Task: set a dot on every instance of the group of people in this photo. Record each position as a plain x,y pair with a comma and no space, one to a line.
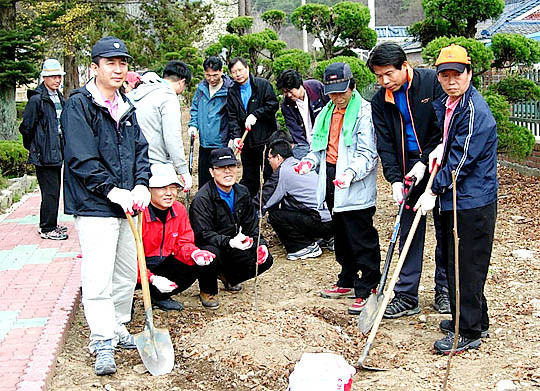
123,153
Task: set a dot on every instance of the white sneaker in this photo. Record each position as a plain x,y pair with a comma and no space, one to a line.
311,251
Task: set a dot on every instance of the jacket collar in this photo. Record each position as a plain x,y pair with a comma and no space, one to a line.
151,216
389,95
124,105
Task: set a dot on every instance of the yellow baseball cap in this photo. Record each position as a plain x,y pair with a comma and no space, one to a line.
453,57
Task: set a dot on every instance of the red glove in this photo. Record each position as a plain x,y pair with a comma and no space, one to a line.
303,167
262,254
238,144
202,257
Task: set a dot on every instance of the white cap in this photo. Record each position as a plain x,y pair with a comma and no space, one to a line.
163,175
52,67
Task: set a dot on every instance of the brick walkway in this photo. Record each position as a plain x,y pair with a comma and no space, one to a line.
39,290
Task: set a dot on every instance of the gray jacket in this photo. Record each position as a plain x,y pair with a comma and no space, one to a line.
361,158
160,119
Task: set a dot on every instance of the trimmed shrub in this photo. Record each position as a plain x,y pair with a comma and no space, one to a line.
20,109
516,89
292,59
517,141
13,158
362,74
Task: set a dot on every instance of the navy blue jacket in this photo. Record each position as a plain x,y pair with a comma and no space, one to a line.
293,118
471,150
39,128
99,156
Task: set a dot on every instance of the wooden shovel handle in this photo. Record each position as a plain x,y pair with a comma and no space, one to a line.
137,234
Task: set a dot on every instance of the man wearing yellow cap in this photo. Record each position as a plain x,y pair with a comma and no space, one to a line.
469,148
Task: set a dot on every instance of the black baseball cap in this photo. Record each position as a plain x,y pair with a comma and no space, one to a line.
110,47
222,157
337,77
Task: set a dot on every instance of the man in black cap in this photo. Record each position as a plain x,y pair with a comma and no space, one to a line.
106,175
344,149
225,223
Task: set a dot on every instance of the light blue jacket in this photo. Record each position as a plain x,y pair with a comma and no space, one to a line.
361,158
209,114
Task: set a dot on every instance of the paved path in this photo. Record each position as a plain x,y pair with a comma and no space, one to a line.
39,291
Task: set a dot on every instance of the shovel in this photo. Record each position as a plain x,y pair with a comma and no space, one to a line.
154,344
395,276
190,164
368,314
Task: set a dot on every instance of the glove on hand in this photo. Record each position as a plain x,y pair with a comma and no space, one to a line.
238,144
435,157
202,257
192,131
122,197
141,197
164,285
188,181
262,254
397,192
343,180
417,172
250,121
303,167
426,202
241,241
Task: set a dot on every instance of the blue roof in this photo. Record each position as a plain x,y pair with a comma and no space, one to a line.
392,31
506,23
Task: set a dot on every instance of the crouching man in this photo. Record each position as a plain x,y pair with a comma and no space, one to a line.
173,260
225,223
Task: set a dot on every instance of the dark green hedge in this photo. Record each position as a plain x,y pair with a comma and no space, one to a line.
13,158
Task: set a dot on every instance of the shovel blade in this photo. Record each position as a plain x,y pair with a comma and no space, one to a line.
155,348
369,313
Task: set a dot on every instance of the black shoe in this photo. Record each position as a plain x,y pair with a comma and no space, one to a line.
228,287
447,327
442,302
326,243
444,345
401,306
168,305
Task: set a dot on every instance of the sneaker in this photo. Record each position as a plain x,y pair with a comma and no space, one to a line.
168,305
447,327
442,302
357,306
62,228
326,243
444,345
209,301
105,364
55,234
127,342
311,251
337,292
401,306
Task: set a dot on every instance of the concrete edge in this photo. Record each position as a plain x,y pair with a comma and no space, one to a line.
18,188
520,168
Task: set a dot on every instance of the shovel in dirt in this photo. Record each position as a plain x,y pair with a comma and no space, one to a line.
154,344
368,314
388,294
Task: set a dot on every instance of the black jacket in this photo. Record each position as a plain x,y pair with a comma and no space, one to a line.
212,221
293,118
39,128
100,156
422,91
263,104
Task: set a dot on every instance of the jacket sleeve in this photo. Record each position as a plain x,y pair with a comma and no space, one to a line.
200,213
142,163
269,186
385,144
279,192
269,107
29,122
434,137
171,123
233,112
249,222
185,241
194,111
365,156
296,130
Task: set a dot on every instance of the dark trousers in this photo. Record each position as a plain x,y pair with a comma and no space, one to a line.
476,228
235,265
49,180
184,276
204,165
252,160
299,229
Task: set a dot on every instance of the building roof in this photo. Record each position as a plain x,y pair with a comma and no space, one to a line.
521,17
392,32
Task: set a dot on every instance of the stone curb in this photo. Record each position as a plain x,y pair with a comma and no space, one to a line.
17,188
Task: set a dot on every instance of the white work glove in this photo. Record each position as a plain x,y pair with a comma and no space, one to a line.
435,157
397,192
262,254
202,257
188,181
426,202
241,241
250,121
343,180
238,144
192,131
122,197
141,197
303,167
417,171
163,284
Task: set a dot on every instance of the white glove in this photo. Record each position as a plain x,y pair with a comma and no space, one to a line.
241,241
435,157
202,257
426,202
141,197
122,197
238,144
343,180
397,192
188,181
303,167
262,254
250,121
192,131
417,171
164,285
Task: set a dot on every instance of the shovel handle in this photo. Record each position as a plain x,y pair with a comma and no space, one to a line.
137,234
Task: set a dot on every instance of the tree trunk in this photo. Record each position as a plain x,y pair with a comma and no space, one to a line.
8,111
241,7
248,8
71,80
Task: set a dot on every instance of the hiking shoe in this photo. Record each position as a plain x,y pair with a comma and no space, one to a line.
168,305
401,306
127,342
209,301
447,327
326,243
442,302
444,345
61,228
337,292
105,364
55,234
311,251
357,306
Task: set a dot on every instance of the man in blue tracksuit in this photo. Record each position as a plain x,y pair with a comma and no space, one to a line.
209,114
469,149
